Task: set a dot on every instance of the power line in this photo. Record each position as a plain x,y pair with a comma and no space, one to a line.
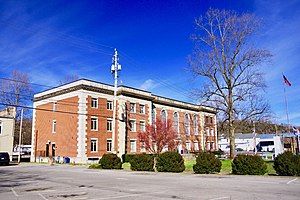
90,115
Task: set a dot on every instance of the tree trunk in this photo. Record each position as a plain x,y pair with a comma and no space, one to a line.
154,165
231,140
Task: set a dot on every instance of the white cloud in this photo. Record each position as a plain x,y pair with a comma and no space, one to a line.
148,85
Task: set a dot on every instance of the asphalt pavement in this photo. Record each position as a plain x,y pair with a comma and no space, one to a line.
43,182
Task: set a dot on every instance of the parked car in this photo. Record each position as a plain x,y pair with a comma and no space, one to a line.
4,158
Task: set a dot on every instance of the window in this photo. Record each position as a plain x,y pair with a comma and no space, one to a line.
54,106
206,119
211,120
142,109
0,127
108,145
188,146
176,122
109,125
132,107
133,146
94,123
142,126
143,147
163,116
94,103
195,123
196,146
94,145
47,150
54,126
109,105
212,133
153,116
187,124
207,132
132,125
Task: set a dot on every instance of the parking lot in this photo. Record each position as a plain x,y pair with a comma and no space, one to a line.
33,181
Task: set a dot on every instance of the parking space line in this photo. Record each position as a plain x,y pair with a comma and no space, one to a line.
291,181
42,196
13,191
218,198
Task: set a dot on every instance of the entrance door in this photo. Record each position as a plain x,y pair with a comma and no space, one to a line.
180,149
53,150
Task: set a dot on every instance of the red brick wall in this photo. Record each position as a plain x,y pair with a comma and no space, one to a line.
138,117
65,137
102,134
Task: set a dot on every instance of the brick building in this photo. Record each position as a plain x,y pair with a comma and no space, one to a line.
76,120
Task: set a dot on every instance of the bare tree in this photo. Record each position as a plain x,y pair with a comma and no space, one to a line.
230,64
16,91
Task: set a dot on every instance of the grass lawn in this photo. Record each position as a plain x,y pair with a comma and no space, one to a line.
270,169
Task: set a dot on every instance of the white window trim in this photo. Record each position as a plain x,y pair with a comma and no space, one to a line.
96,102
96,145
164,110
186,146
94,117
189,124
134,108
133,140
144,110
134,125
109,119
109,102
54,127
196,142
110,145
196,128
143,121
177,121
54,106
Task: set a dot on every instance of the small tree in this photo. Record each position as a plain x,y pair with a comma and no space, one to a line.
158,136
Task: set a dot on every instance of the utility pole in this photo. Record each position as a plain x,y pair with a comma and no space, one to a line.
20,136
115,67
254,138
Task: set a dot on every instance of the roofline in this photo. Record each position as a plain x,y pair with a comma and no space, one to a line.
59,90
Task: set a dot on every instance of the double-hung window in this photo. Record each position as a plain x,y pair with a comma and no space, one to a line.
94,145
142,109
53,126
109,105
108,145
132,125
142,126
132,107
132,146
109,125
94,103
94,123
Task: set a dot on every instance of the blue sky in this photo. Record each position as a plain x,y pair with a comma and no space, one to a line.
52,39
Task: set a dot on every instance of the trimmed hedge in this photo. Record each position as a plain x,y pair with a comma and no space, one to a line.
287,164
249,165
170,161
207,163
127,157
110,161
142,162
